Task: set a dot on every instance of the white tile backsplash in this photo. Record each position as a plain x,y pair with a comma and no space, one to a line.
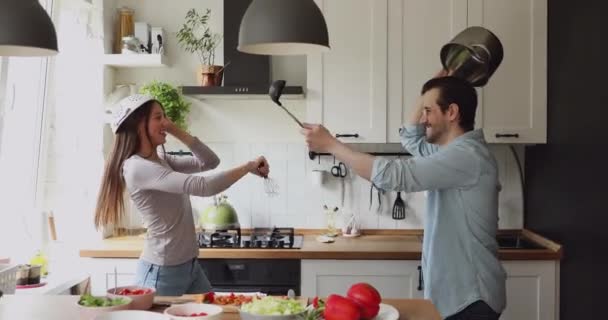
300,203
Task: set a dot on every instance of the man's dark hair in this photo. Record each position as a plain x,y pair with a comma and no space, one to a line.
458,91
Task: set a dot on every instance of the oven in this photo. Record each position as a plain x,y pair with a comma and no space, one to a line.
269,276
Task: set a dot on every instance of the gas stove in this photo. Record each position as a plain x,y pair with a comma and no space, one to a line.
260,238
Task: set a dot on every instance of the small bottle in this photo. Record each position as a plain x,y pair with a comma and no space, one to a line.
40,259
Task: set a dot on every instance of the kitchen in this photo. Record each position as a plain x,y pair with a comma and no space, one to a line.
239,128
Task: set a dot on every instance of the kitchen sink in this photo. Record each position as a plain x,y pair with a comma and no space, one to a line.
516,241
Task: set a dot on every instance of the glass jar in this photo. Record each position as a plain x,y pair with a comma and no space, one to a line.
124,28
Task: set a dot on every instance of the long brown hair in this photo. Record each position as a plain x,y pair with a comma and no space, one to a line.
110,200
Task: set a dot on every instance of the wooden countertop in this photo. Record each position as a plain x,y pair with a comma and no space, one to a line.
406,245
60,307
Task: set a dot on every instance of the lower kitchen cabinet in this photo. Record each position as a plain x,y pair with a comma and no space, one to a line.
532,286
103,276
392,278
532,290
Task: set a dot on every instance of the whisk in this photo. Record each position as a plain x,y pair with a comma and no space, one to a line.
270,186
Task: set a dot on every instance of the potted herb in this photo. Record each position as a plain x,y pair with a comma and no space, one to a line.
195,36
176,108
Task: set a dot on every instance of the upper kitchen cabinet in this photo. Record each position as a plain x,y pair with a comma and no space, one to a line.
383,51
513,106
347,85
417,30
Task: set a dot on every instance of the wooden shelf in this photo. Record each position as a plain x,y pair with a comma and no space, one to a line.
135,60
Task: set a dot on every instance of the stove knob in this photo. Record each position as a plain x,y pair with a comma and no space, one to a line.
258,243
246,243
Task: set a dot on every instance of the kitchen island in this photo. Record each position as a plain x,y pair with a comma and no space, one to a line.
63,307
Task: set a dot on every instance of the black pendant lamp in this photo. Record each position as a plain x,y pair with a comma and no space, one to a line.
26,30
283,27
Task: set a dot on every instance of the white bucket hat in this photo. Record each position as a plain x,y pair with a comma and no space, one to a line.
125,107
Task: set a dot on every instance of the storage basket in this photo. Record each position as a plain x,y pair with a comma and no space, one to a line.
8,278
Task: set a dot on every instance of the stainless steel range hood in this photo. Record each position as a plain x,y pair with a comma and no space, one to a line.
247,74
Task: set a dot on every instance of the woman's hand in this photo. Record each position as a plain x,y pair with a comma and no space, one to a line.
170,127
178,133
259,167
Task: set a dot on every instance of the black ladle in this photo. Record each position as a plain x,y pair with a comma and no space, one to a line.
276,89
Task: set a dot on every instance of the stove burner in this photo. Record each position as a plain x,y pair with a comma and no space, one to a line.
260,238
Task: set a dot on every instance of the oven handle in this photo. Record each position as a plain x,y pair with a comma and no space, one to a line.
237,289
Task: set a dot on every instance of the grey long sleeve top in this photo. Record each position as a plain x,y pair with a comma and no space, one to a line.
161,192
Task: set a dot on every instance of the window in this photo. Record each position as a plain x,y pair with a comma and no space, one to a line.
23,85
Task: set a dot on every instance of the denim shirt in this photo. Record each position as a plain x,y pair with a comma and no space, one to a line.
459,253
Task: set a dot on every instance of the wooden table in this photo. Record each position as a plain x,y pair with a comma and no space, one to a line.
50,307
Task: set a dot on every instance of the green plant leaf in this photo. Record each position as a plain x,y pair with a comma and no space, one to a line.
176,108
204,45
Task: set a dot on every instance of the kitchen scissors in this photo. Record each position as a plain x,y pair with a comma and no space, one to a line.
339,170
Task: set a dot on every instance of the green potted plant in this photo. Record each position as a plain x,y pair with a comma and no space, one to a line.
176,108
195,36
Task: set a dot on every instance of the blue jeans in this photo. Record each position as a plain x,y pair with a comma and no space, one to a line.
478,310
176,280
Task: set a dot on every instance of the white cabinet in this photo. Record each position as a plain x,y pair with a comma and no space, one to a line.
347,85
417,31
103,276
532,286
383,51
532,290
514,103
392,278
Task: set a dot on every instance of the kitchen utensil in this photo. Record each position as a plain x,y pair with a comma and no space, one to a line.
51,222
219,216
371,193
399,208
474,55
270,186
317,177
276,89
115,279
339,171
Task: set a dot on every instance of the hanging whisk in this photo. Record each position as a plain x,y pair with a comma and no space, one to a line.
270,186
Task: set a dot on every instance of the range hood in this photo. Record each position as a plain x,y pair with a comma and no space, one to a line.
247,74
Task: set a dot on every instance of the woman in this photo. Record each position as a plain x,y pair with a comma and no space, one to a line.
160,186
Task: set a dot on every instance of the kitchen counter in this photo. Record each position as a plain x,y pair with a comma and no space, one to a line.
37,307
373,245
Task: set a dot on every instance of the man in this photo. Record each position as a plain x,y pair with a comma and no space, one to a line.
462,273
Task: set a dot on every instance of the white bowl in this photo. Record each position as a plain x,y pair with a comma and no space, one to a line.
180,311
251,316
140,301
132,315
90,312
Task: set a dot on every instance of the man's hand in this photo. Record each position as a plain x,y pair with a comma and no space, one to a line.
318,138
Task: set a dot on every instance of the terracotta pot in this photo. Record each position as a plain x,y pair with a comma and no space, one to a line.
209,76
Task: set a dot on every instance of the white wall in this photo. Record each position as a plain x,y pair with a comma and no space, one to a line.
239,130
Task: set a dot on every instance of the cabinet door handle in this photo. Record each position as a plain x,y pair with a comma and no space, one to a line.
507,135
420,279
347,135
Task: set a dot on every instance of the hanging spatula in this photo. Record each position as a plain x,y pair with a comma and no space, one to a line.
399,208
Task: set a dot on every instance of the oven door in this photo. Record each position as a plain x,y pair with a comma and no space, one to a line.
269,276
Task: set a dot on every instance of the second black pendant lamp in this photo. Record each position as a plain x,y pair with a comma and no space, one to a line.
283,27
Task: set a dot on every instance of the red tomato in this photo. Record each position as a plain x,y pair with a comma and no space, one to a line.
340,308
367,298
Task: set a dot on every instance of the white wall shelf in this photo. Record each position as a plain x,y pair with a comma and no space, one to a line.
135,60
